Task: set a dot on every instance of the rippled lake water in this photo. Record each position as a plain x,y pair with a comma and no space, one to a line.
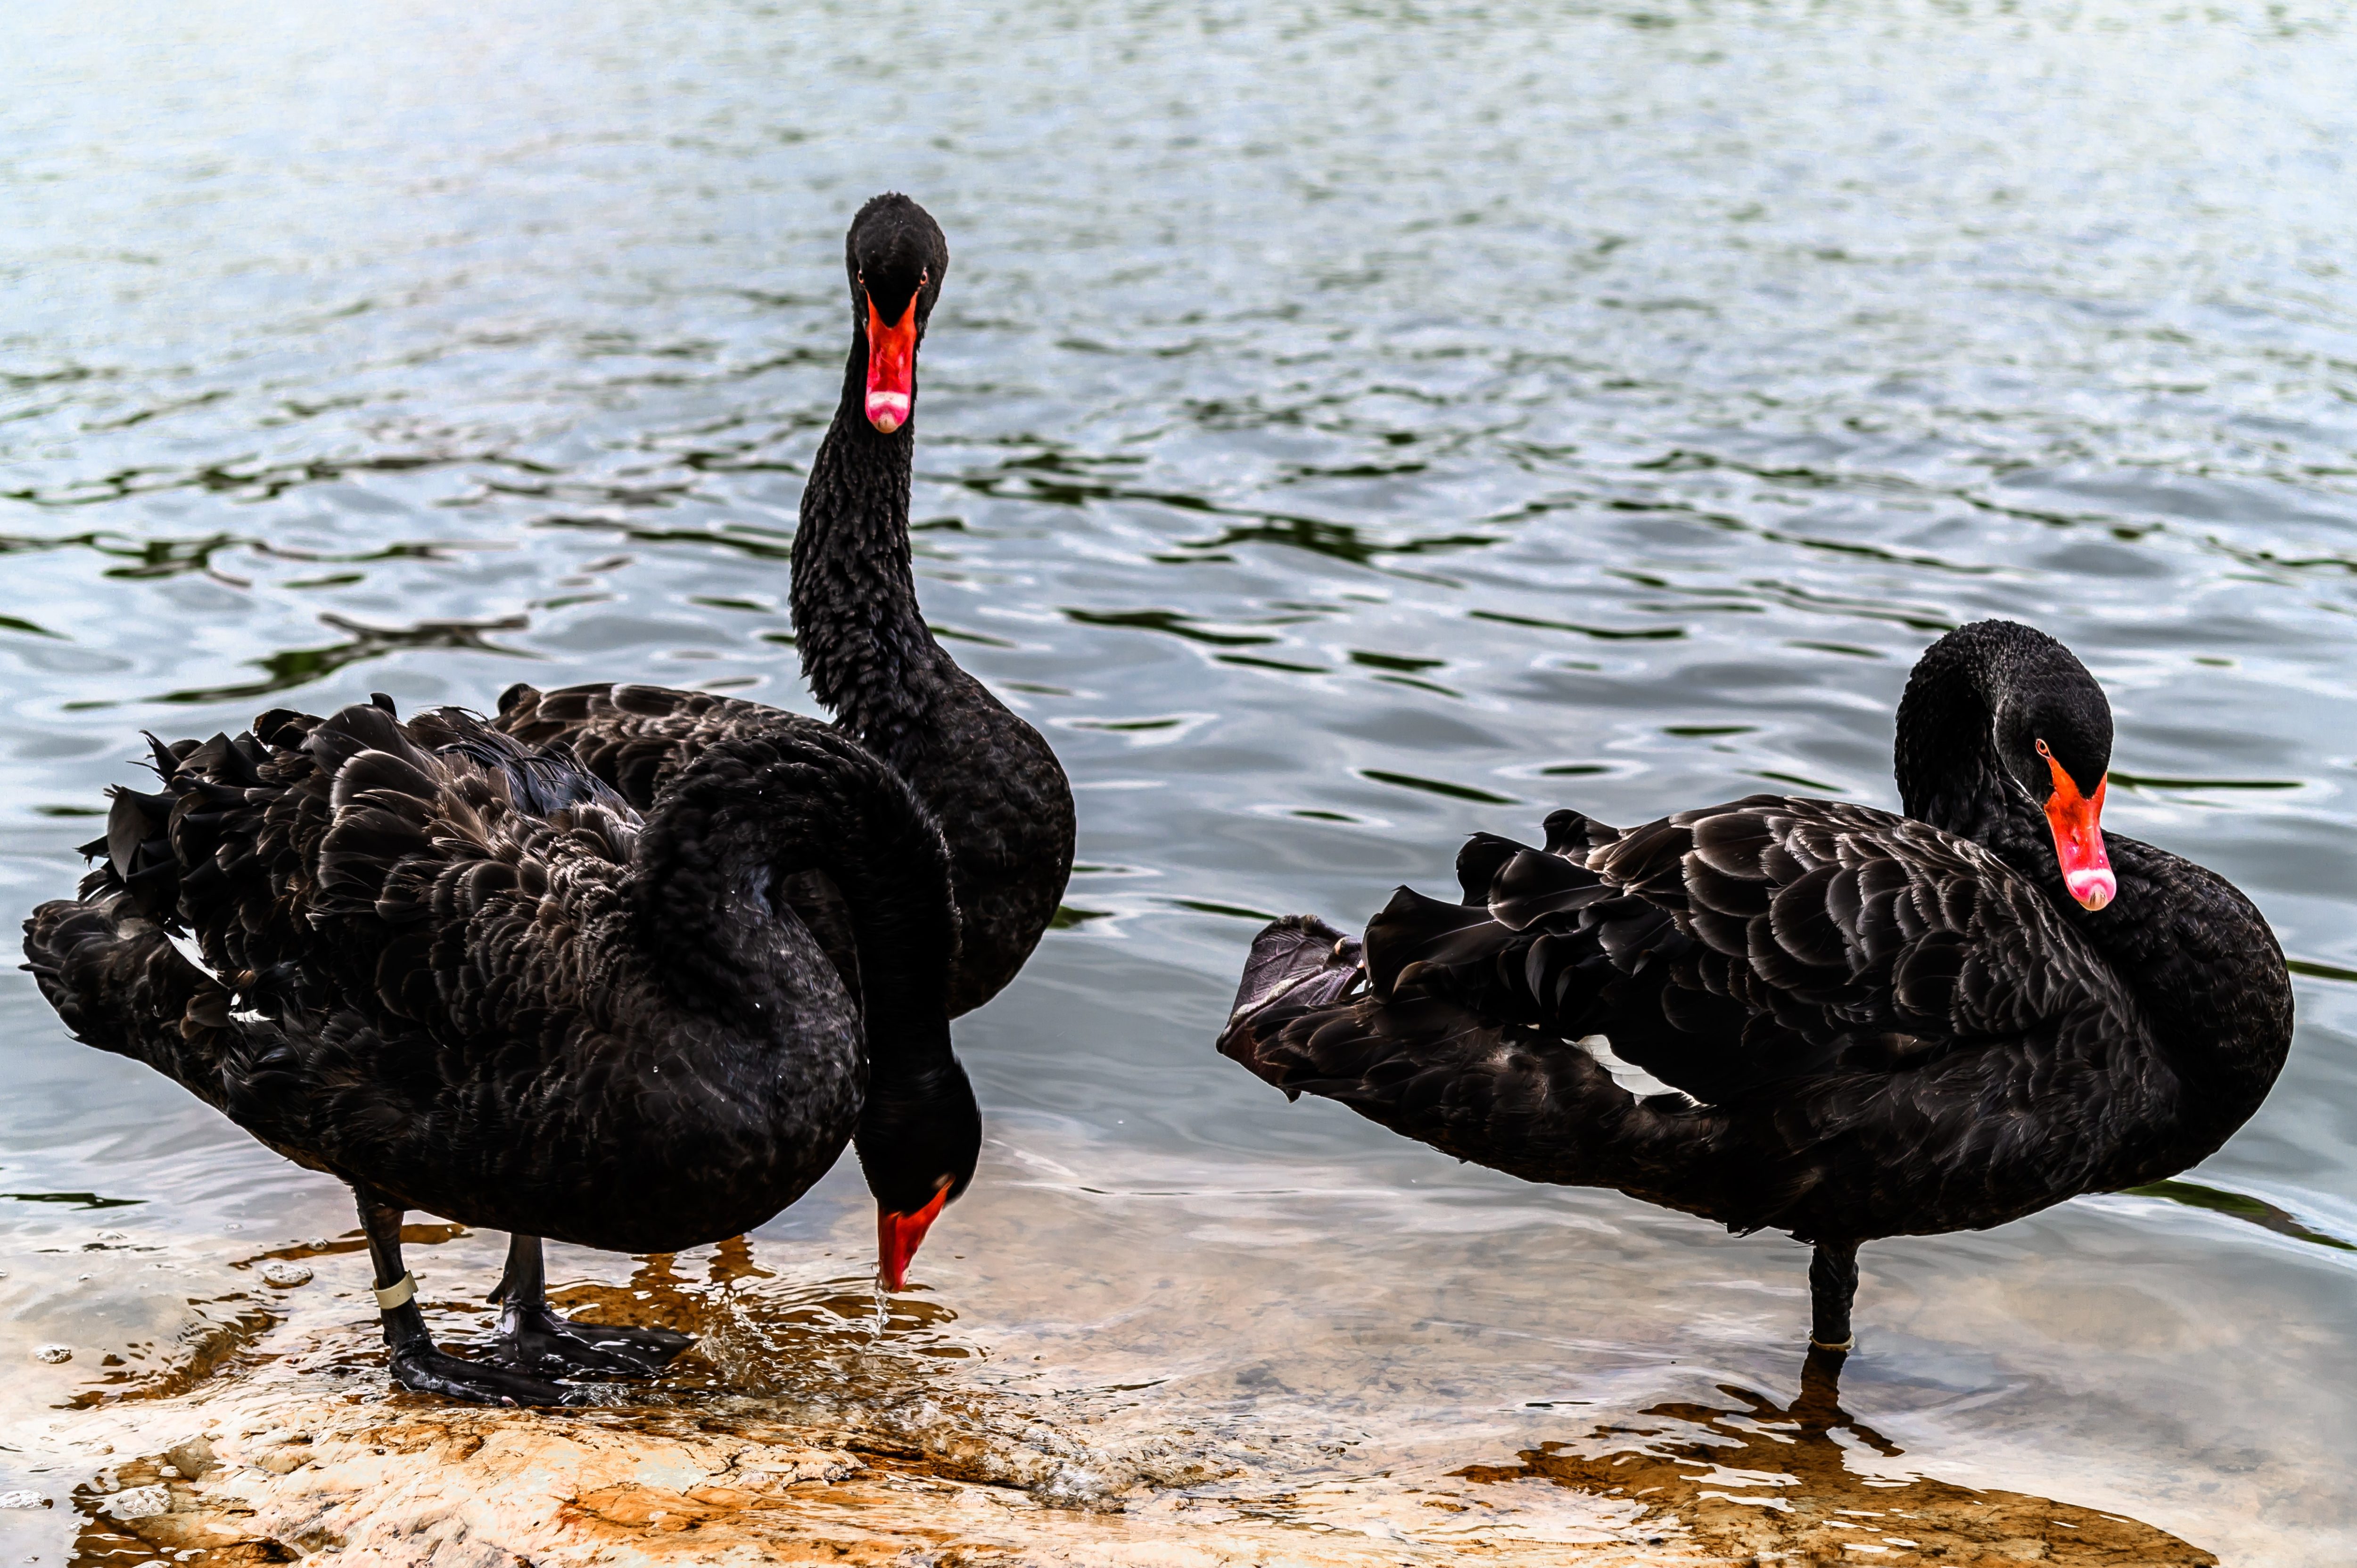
1345,427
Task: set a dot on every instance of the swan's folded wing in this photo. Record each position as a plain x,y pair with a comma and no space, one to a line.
636,738
429,874
1434,1071
1512,1097
1736,946
1775,937
542,778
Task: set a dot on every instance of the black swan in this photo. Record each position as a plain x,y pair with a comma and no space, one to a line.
1875,1025
462,975
989,779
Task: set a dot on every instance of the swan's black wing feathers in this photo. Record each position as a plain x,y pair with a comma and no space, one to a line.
993,779
461,971
436,874
1870,939
636,738
1735,952
1507,1095
1734,946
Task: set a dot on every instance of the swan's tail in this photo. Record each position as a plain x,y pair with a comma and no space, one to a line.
165,955
1457,1024
118,982
1298,964
106,959
1506,1095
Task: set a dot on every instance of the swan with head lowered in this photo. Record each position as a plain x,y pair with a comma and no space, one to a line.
463,976
1872,1025
988,779
466,968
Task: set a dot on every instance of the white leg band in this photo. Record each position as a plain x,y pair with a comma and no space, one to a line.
1848,1344
398,1294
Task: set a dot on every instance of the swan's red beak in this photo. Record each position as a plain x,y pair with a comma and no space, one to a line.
898,1237
891,371
2077,822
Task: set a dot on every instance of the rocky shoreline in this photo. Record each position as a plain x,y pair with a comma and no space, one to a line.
232,1407
268,1464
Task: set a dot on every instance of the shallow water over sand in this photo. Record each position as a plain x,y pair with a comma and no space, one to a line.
1343,430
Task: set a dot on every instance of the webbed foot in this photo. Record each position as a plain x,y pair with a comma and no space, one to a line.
536,1338
421,1369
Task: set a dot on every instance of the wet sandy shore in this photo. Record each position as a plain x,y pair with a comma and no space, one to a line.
392,1482
259,1429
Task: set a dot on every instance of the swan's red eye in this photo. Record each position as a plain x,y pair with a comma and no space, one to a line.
2077,822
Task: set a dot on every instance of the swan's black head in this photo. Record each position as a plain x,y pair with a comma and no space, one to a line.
896,258
1999,708
918,1142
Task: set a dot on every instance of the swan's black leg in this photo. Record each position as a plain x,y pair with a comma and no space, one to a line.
417,1364
1832,1285
531,1335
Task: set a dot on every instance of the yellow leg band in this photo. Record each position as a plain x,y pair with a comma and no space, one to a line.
398,1294
1848,1344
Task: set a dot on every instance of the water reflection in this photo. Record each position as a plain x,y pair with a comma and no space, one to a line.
290,667
1761,1482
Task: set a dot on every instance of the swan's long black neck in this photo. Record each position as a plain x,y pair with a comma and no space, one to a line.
989,778
714,863
864,644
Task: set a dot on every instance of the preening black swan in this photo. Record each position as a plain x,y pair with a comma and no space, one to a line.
463,976
1876,1024
988,778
